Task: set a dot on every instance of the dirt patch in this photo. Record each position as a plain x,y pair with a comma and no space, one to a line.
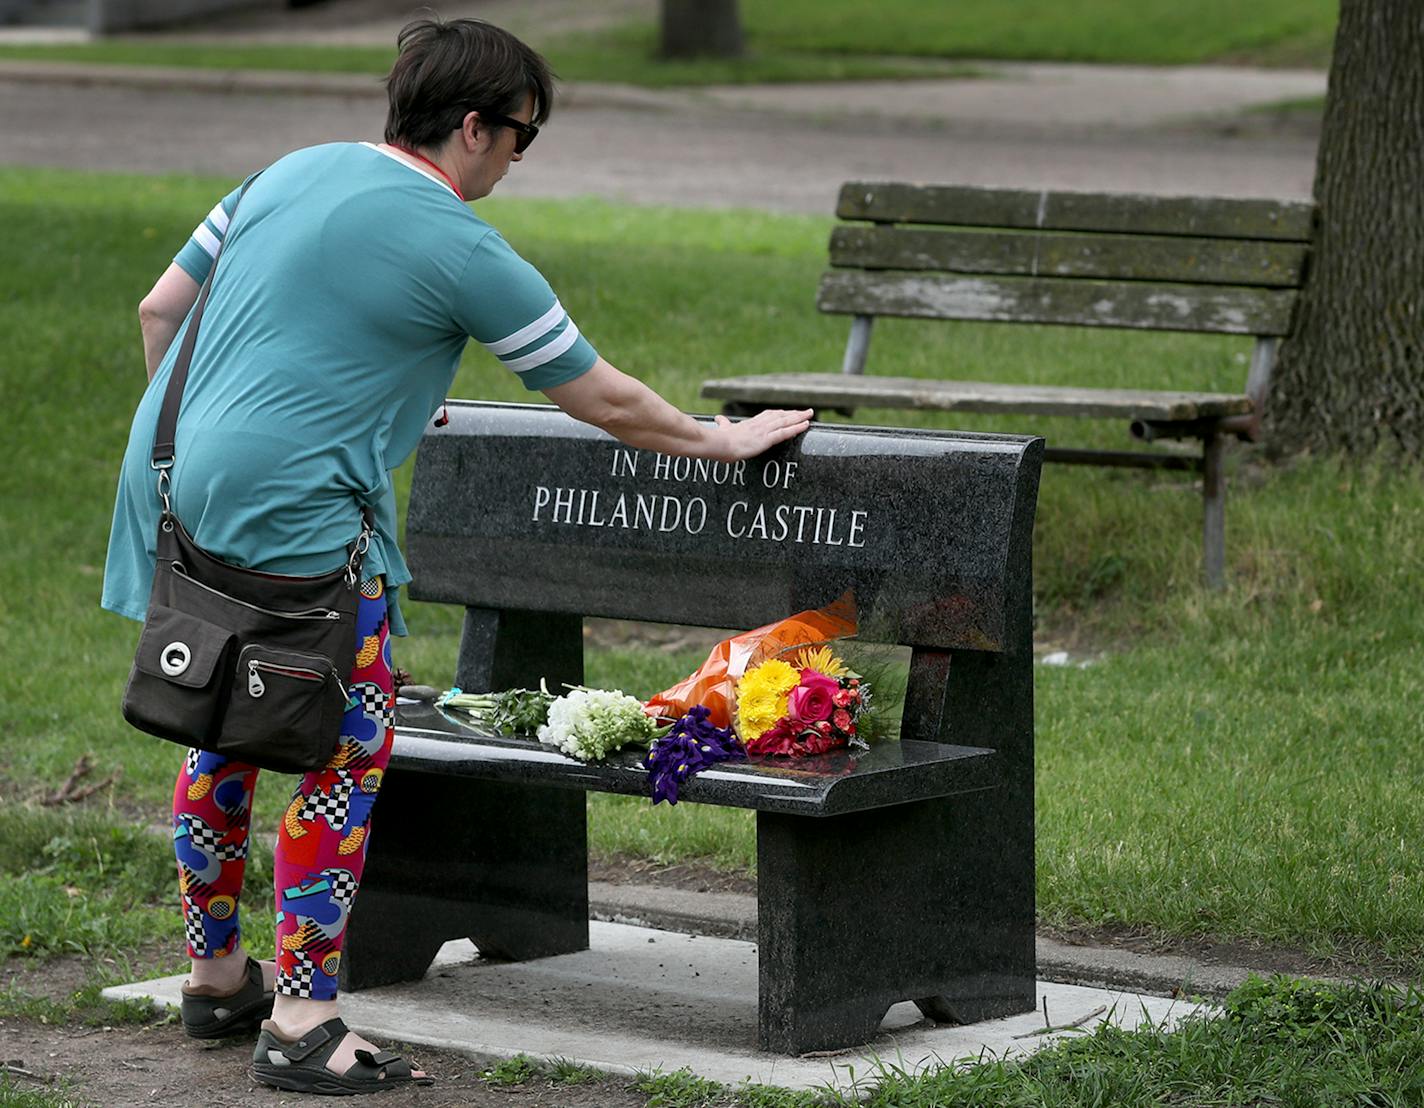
114,1067
1261,958
155,1062
615,634
688,876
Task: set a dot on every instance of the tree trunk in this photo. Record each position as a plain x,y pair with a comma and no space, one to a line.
1352,376
700,27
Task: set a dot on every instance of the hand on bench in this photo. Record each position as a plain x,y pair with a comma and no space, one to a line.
634,414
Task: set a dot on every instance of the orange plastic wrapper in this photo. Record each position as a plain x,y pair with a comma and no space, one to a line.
714,683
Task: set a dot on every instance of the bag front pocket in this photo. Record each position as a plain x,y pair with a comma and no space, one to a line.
178,686
285,710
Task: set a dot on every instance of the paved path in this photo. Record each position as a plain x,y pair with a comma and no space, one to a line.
786,147
690,152
1044,97
643,999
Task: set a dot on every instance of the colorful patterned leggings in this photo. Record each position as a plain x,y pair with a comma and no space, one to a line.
321,847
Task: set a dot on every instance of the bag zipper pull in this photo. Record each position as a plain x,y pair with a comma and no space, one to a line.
255,687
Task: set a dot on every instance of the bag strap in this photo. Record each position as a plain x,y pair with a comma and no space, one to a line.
162,458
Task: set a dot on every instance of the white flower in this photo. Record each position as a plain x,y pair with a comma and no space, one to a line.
589,724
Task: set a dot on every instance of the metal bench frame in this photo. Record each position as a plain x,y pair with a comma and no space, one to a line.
1085,259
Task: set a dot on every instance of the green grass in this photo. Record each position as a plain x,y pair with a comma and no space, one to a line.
512,1071
622,55
1304,106
629,54
1274,1042
85,1006
1277,1042
1114,31
522,1069
835,40
74,883
372,60
17,1094
1238,765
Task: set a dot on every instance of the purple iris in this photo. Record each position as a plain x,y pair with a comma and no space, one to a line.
690,746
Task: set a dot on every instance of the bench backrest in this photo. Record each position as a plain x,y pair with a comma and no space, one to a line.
533,520
1089,259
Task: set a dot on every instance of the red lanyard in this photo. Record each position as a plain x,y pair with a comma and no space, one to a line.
432,165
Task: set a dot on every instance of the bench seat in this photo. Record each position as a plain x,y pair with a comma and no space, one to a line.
429,740
841,390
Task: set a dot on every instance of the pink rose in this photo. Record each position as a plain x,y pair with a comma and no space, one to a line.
813,699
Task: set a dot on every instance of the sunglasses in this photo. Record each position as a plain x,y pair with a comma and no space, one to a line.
526,133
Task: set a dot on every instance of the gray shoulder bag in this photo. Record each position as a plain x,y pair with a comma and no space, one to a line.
244,664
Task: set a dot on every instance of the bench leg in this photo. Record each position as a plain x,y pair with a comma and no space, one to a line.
505,866
917,902
1214,511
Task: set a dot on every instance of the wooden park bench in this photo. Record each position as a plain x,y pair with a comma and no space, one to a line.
902,873
1085,259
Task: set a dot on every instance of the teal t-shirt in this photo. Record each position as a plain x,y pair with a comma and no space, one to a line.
350,283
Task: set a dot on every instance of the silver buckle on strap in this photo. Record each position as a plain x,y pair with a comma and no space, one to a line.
164,484
358,554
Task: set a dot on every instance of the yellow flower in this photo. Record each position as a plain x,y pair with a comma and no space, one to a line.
762,694
821,660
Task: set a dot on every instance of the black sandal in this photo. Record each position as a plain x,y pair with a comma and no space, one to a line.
206,1016
301,1066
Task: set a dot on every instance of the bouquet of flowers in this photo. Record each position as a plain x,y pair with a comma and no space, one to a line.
781,686
511,712
714,685
776,690
808,705
691,745
590,724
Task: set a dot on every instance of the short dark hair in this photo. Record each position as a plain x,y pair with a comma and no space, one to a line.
446,69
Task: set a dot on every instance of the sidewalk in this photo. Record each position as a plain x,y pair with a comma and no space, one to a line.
1015,97
641,999
1195,130
670,980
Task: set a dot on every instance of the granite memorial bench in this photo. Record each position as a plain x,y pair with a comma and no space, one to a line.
1203,264
901,873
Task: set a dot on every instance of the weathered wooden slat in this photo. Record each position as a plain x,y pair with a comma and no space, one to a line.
1121,257
838,390
1193,216
1122,459
1131,304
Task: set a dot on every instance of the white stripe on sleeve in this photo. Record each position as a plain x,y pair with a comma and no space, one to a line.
219,218
206,239
545,353
525,335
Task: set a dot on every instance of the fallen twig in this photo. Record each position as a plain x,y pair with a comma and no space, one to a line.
8,1067
81,769
1098,1011
68,794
